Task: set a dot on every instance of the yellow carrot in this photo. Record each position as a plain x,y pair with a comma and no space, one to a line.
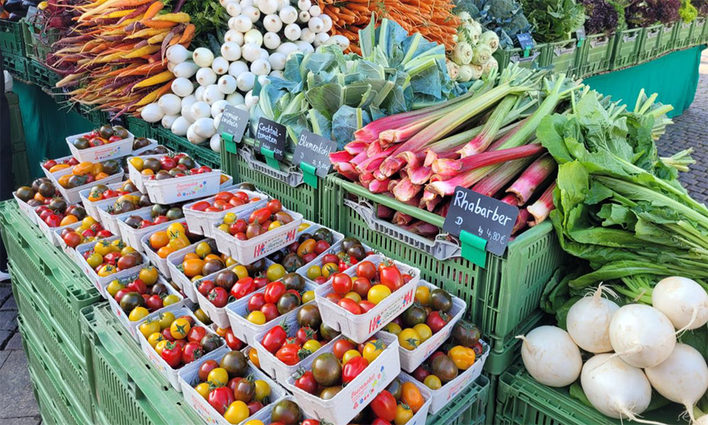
155,79
180,17
154,95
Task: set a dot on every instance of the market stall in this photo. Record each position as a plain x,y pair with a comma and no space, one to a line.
299,213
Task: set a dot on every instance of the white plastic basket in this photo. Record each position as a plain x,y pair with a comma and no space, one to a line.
411,359
52,233
59,161
271,364
203,222
248,251
161,365
26,209
71,252
156,260
135,176
105,152
92,207
190,375
133,236
123,317
442,396
360,327
333,249
72,196
99,282
110,221
353,398
152,145
180,189
178,277
246,331
420,417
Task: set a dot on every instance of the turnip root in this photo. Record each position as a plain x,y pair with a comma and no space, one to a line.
683,301
589,322
641,335
615,388
551,356
682,378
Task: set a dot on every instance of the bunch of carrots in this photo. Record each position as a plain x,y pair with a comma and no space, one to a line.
433,19
116,53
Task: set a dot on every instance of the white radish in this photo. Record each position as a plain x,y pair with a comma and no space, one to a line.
152,112
246,3
215,143
262,54
307,36
292,32
233,9
287,48
187,103
177,54
682,378
339,40
168,120
218,107
683,301
186,69
234,36
304,47
272,23
182,87
271,40
204,127
321,38
641,335
170,104
227,84
262,80
199,93
315,11
268,6
202,57
327,22
243,23
250,100
171,66
589,322
276,74
251,13
217,120
277,61
245,81
615,388
250,51
200,110
303,17
253,37
237,68
231,51
304,4
315,25
193,137
235,99
206,76
260,67
288,15
551,356
220,66
180,126
212,93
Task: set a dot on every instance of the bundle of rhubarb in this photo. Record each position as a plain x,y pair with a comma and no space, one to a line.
483,140
116,53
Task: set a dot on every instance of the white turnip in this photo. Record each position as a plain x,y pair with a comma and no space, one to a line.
292,32
206,76
237,68
589,322
227,84
231,51
213,93
177,54
245,81
234,36
180,126
168,120
683,301
641,335
182,87
251,13
215,143
218,107
204,127
170,104
233,9
193,137
260,67
272,23
203,57
288,15
152,112
187,103
185,69
200,110
220,65
682,378
199,93
242,23
277,61
615,388
551,356
271,40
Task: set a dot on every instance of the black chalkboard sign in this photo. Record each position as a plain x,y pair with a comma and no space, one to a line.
271,136
525,41
482,216
234,122
314,149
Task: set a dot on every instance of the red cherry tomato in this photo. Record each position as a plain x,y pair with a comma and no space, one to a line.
201,206
350,305
270,311
342,284
273,292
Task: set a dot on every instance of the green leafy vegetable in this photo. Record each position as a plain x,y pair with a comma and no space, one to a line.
554,20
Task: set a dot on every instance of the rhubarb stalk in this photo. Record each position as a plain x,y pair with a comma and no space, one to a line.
405,190
482,141
494,182
543,206
446,168
527,183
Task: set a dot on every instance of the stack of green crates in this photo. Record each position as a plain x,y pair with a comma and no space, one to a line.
141,128
38,40
531,59
563,57
13,49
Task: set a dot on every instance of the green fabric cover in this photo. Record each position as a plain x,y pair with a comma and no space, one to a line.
46,125
674,77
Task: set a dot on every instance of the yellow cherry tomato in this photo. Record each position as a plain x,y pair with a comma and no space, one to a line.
422,295
432,382
229,218
137,314
253,357
114,287
312,345
350,354
202,249
102,247
136,162
170,299
202,316
218,377
161,346
175,229
393,328
409,339
403,414
149,327
203,390
463,357
180,328
373,349
106,270
94,260
256,317
237,412
241,271
314,272
127,250
254,422
353,296
147,274
424,331
223,227
308,296
274,225
166,319
329,269
275,272
302,226
87,222
153,339
262,389
377,293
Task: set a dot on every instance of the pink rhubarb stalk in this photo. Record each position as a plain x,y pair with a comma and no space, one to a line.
482,141
384,213
419,175
543,206
401,219
356,147
527,183
448,168
521,219
378,186
405,190
494,182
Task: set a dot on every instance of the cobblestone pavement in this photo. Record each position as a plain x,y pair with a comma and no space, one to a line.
690,130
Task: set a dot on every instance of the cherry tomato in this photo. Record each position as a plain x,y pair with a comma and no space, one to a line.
307,382
196,334
274,206
218,296
232,342
172,354
207,367
201,206
342,346
191,352
243,287
274,291
384,406
361,286
220,399
366,269
350,305
256,302
288,354
274,339
390,275
270,310
353,368
342,283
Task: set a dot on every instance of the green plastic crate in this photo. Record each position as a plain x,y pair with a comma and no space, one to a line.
56,280
16,65
506,349
201,153
499,297
20,165
11,38
70,362
301,198
38,40
467,408
563,57
699,25
46,375
704,31
667,38
522,400
596,54
533,60
47,409
684,34
42,76
92,114
627,48
127,389
141,128
651,43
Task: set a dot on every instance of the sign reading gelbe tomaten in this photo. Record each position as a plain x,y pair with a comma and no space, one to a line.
482,216
271,136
